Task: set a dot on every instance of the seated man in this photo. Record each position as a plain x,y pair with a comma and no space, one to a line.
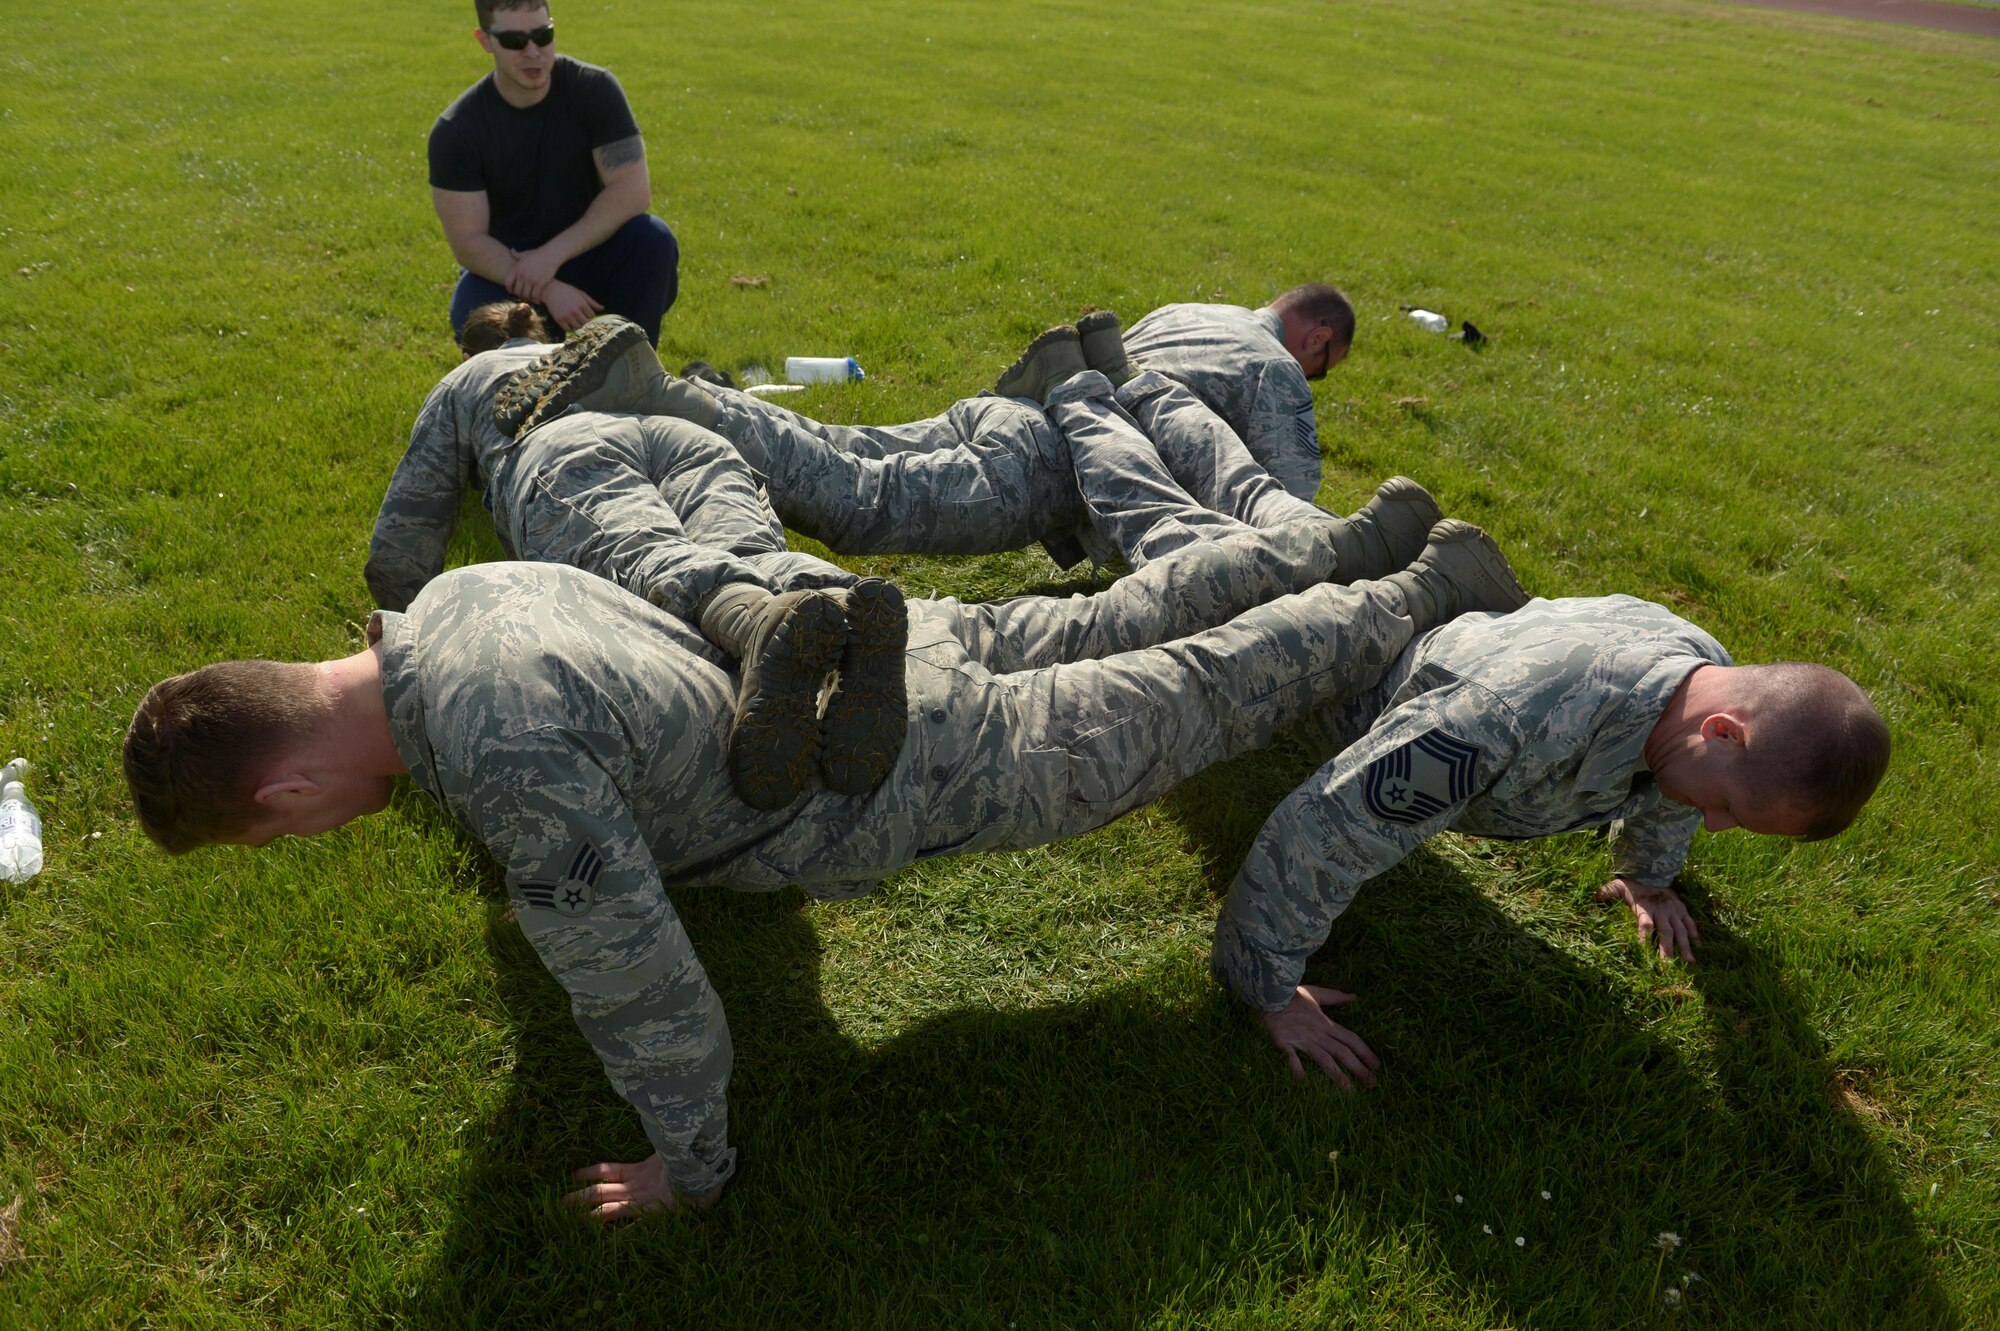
1563,715
578,731
539,178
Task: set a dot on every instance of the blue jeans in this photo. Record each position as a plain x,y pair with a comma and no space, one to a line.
636,273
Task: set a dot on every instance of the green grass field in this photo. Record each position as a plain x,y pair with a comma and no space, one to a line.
1740,275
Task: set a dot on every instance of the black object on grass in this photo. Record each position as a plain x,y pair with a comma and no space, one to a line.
701,369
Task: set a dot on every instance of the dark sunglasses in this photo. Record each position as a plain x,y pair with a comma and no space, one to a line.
518,41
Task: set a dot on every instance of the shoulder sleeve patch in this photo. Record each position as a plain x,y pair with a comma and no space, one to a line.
577,892
1420,779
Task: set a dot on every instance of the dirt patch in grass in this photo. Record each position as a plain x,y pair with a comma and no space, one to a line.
1911,13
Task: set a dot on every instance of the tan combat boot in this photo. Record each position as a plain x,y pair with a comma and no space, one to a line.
1104,346
1388,532
861,734
1049,360
787,646
606,365
1460,570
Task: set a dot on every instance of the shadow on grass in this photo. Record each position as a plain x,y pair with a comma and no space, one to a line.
1142,1156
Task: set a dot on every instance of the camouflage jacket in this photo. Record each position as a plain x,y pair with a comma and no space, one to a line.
582,735
1235,360
452,447
1513,726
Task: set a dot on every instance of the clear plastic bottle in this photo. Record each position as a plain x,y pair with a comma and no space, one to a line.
20,826
1430,320
822,369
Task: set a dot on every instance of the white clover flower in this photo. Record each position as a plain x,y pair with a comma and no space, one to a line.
1520,1241
1667,1241
1671,1297
1458,1197
1487,1228
1546,1194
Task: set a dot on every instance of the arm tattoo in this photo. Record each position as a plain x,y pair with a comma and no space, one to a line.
620,152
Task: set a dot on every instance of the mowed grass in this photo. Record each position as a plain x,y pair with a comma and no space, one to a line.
1739,274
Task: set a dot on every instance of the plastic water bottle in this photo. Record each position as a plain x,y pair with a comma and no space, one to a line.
20,827
822,369
1430,321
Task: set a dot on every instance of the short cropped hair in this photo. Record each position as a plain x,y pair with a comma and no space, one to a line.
486,9
200,742
1317,303
1823,747
502,321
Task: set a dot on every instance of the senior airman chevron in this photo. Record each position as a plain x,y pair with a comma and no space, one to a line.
578,889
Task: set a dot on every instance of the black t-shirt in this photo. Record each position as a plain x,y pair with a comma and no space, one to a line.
533,162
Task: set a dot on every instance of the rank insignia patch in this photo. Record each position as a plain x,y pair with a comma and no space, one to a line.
1419,780
577,892
1306,432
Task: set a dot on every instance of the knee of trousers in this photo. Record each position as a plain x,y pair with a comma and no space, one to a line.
653,237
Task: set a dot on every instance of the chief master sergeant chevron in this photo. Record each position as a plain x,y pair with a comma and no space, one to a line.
1562,715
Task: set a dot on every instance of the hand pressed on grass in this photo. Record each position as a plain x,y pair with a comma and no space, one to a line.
1302,1027
621,1191
1661,914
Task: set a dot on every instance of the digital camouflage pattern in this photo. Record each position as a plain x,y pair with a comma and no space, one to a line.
1158,470
1514,726
990,474
658,505
581,734
1234,359
450,445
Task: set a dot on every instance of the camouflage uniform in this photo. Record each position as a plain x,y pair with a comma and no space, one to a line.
658,505
581,734
994,473
1158,470
454,436
1513,726
1235,360
991,474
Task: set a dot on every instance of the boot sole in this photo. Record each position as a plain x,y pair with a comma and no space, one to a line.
540,392
868,715
774,748
1400,493
1498,590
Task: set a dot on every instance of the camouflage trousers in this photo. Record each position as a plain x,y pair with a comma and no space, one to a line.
1144,471
1212,665
991,474
659,506
1158,470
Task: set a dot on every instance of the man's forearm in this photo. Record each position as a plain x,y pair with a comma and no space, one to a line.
615,205
483,255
